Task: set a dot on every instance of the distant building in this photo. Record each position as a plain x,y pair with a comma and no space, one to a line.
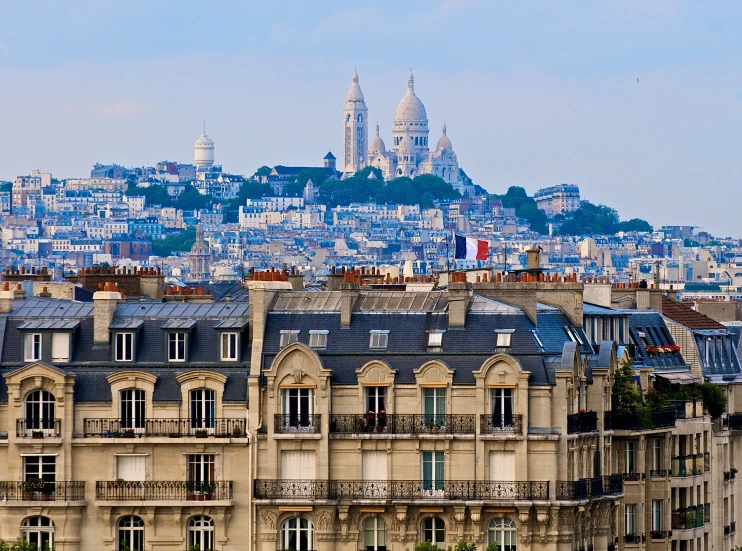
200,257
132,249
204,151
559,199
29,186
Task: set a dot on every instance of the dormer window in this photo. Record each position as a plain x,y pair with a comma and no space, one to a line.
503,337
435,339
318,339
379,339
538,340
33,347
124,347
229,351
288,336
176,346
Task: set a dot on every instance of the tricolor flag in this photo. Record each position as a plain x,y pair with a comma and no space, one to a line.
470,248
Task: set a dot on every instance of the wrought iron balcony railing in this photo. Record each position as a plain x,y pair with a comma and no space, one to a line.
689,465
293,424
658,473
501,424
42,490
589,488
658,534
174,428
410,490
578,423
401,423
688,409
38,427
155,490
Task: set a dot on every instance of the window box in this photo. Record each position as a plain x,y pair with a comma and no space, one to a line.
37,434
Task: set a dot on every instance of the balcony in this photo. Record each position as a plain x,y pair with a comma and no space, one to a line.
691,517
41,490
371,423
589,488
297,424
580,423
632,477
163,491
501,424
688,409
405,490
658,419
689,465
632,538
38,428
658,534
658,473
173,428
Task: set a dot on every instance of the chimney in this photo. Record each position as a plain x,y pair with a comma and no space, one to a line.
104,306
6,298
458,303
348,293
533,259
335,279
19,292
296,280
45,292
672,294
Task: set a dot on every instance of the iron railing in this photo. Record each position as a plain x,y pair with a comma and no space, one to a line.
631,538
401,423
688,409
501,424
689,517
174,428
586,421
589,488
688,465
290,423
401,490
658,473
38,427
155,490
41,490
658,534
657,419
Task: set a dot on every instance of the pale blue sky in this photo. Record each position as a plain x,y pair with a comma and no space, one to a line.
533,93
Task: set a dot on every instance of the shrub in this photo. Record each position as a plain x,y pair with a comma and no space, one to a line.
714,399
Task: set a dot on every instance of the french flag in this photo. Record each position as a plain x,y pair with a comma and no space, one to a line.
471,249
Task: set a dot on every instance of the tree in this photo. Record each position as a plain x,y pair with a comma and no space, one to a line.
635,224
6,186
250,189
626,399
191,199
262,171
179,242
525,207
714,399
153,195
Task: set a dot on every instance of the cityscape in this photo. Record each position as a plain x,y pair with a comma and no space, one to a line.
397,346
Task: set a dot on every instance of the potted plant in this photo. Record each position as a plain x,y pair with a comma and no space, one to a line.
381,421
207,491
37,434
47,490
127,433
433,425
370,418
202,433
30,486
194,491
236,432
115,434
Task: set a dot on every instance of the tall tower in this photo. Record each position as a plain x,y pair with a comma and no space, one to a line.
204,150
410,131
200,257
355,129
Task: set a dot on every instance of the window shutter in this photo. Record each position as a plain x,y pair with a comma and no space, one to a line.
60,347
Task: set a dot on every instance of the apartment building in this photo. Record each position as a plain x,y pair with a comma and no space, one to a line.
559,199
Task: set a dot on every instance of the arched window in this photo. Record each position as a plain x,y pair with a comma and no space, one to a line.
297,534
416,141
348,118
131,534
203,404
40,408
38,531
360,118
201,532
434,530
504,532
374,534
399,172
132,405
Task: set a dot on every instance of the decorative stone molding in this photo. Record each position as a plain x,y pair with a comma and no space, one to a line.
297,364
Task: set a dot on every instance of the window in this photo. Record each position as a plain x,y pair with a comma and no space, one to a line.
656,515
504,336
433,471
376,398
504,532
630,520
434,405
230,352
200,472
435,339
42,467
378,339
203,404
132,406
38,531
287,337
33,347
201,532
298,409
124,347
629,466
40,411
434,530
60,347
501,406
374,534
656,454
131,534
297,534
176,347
318,339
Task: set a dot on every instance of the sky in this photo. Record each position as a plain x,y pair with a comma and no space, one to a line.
638,102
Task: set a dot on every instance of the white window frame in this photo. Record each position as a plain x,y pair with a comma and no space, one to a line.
33,527
374,533
135,525
436,525
201,532
40,407
435,339
43,467
629,466
435,459
229,346
202,409
32,348
630,519
318,339
379,339
133,409
288,336
177,338
503,531
201,468
657,515
297,526
121,348
504,338
657,454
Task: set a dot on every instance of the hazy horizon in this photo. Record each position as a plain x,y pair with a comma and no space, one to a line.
533,94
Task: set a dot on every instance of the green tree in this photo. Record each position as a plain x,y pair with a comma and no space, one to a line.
153,195
626,399
191,199
262,171
635,224
179,242
714,399
525,207
250,189
6,186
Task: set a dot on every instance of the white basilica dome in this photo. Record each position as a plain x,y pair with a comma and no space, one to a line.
410,109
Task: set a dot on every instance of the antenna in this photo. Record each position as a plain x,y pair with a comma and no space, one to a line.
204,126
